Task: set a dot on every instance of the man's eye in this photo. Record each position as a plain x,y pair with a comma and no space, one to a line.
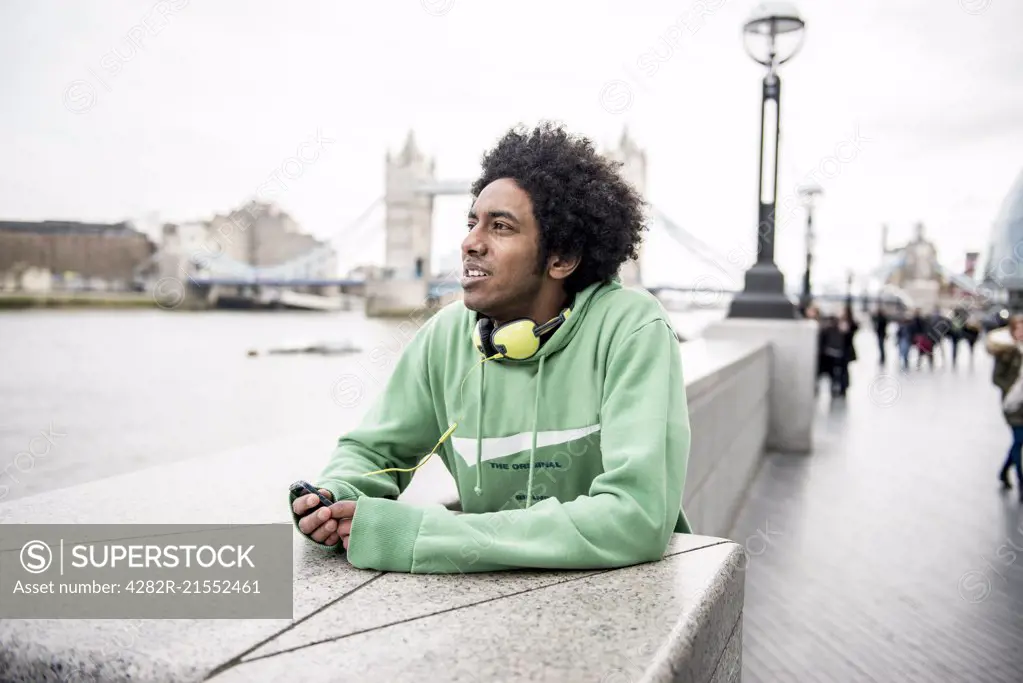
501,226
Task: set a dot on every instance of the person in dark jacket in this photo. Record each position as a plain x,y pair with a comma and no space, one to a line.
971,333
830,347
923,339
847,323
1006,345
940,328
881,321
957,331
838,350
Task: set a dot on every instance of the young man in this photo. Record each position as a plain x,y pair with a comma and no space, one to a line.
553,395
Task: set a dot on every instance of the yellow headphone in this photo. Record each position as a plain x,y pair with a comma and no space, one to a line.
517,339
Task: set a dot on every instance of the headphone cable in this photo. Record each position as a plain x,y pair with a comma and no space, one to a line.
445,435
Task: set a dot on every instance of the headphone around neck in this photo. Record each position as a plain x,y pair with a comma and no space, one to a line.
517,339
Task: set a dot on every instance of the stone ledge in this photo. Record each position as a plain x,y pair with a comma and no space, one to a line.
675,619
674,615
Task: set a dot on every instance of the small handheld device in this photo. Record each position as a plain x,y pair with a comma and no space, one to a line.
304,488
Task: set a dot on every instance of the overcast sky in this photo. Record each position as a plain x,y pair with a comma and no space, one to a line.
181,109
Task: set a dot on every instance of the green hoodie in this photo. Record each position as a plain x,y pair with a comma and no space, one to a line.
575,458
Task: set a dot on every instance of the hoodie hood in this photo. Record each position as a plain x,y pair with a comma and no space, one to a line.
562,336
579,306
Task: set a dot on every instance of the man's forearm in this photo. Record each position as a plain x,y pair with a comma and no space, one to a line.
586,533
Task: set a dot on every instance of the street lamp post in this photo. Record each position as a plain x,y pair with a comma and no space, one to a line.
771,36
809,193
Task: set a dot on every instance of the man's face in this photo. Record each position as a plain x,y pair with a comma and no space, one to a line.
501,276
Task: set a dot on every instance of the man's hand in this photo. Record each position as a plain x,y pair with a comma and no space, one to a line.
326,525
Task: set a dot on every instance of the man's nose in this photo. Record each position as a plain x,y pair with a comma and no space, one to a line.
474,242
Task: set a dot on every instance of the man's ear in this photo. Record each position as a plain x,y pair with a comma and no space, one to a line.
559,267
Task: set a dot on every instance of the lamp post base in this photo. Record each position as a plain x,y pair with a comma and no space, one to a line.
763,296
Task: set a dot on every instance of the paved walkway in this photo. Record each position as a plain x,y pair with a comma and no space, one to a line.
890,553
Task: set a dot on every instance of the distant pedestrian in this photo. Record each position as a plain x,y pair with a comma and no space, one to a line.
881,330
971,333
956,332
838,350
905,333
923,339
1006,345
830,347
849,327
813,313
938,328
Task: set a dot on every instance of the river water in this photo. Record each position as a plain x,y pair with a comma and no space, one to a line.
86,394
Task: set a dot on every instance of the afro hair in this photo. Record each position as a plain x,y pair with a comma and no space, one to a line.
581,203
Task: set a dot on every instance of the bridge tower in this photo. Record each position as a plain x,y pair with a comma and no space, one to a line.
633,169
408,232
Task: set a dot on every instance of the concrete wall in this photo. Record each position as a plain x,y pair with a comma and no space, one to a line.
792,367
727,389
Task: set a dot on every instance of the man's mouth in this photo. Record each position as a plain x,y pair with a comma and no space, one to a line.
473,277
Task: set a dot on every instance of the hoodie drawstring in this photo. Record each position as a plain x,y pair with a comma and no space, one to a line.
479,435
532,450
